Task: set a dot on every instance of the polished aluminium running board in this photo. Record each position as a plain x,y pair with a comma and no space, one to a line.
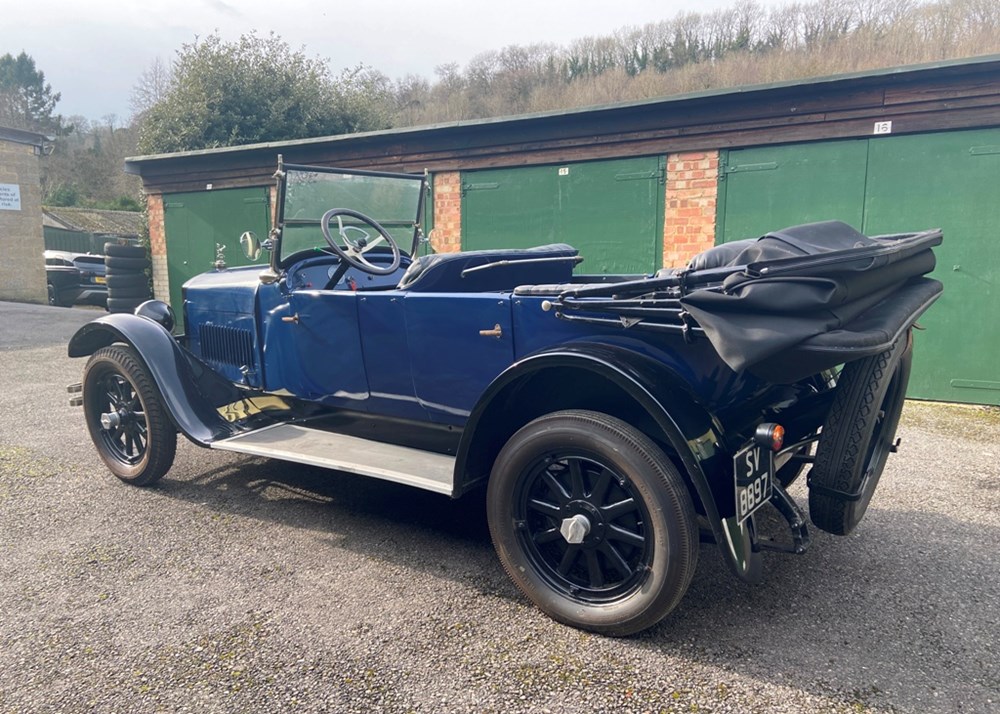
402,464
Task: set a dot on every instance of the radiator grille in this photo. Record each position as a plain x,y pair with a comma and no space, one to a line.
229,345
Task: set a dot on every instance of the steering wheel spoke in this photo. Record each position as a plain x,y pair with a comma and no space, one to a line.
352,250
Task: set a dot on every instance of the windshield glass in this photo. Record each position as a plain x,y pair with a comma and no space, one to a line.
393,200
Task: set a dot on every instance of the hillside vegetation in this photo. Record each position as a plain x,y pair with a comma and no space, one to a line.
743,44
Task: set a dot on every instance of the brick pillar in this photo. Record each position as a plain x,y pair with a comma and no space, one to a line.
447,234
158,247
689,218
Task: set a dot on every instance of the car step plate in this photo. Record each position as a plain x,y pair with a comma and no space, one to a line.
402,464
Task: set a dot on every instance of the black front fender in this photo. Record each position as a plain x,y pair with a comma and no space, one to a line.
192,392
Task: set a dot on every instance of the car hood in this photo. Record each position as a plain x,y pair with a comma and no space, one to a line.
229,290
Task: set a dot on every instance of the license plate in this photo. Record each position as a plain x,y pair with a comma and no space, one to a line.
753,468
100,279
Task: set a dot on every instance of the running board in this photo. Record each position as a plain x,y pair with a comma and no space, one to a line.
402,464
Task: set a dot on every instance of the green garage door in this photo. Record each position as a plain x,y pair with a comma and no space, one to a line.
952,181
766,188
611,211
195,222
896,184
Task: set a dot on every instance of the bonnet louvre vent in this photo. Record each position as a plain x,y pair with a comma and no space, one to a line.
229,345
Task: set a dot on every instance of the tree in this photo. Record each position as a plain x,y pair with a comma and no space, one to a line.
26,100
86,167
257,89
151,88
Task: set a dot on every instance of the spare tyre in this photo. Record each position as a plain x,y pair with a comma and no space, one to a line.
116,263
130,293
117,250
128,279
858,436
124,304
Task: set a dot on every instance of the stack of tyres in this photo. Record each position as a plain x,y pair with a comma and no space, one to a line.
128,284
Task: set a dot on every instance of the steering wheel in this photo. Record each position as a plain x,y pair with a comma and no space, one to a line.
354,248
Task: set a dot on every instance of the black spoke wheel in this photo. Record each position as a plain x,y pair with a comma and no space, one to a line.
126,418
858,436
592,522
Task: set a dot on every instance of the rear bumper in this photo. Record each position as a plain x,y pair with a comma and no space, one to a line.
92,295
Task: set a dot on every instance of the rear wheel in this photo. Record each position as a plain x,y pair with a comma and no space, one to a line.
592,522
54,297
126,418
858,436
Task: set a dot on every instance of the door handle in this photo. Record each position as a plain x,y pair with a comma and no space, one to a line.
495,332
292,318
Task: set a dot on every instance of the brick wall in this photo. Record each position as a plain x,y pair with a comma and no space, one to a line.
447,234
689,218
158,247
22,269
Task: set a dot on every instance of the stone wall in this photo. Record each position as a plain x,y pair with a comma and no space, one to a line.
22,268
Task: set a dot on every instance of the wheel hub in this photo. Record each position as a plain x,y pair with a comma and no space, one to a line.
575,528
111,420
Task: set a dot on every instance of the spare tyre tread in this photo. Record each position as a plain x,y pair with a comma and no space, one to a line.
839,491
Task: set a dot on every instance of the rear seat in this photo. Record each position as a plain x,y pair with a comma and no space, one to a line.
443,272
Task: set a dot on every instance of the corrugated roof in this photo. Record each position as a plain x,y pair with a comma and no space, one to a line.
93,220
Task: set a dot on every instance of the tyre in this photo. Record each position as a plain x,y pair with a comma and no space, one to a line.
126,280
54,298
133,264
592,522
117,250
858,436
126,417
123,304
139,292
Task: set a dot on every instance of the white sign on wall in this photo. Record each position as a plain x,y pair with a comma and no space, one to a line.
10,197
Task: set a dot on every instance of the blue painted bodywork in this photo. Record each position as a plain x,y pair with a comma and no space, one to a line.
412,354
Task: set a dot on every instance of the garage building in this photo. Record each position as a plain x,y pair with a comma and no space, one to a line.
645,185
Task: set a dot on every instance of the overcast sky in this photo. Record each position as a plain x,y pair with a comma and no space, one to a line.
93,51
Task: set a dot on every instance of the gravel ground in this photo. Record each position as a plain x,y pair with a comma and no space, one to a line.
240,584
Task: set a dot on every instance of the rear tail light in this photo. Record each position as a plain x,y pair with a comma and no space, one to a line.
769,435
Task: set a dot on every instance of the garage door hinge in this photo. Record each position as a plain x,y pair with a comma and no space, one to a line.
741,168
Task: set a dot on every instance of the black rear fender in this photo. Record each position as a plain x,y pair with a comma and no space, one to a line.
601,378
192,392
633,388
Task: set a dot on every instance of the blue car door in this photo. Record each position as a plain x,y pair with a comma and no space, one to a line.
329,365
458,344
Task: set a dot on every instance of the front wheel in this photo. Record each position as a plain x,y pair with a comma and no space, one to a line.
592,522
126,417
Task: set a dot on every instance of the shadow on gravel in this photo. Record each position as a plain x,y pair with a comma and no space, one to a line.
902,608
413,528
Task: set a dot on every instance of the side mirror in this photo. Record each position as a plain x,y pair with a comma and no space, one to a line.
250,245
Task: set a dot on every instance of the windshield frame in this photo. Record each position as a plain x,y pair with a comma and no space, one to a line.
281,177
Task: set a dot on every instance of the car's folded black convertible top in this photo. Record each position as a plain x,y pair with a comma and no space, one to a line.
809,281
787,304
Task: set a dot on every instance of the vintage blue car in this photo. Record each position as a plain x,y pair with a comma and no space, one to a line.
615,422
